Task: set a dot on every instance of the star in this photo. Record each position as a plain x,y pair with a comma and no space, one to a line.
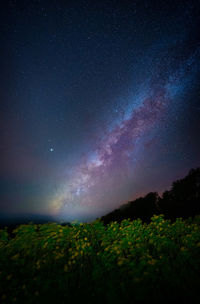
51,149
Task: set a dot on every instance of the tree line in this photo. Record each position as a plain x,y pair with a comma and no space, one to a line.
182,200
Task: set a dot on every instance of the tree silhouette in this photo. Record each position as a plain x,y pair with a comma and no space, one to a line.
183,200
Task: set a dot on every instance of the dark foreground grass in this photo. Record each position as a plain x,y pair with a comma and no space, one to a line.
131,262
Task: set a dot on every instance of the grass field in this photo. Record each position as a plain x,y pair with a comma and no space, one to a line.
130,262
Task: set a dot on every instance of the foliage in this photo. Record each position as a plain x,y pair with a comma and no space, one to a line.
118,263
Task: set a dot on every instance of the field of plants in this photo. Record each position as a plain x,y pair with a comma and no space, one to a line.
127,262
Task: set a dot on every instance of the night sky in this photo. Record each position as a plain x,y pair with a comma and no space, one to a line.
100,103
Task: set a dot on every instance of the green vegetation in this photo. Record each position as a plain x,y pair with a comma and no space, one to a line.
118,263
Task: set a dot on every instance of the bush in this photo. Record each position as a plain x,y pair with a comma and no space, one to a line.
118,263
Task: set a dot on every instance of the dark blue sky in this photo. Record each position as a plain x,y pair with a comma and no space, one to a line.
100,103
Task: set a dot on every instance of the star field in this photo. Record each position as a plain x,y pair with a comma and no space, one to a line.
99,103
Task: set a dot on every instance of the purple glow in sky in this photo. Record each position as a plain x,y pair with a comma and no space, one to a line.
99,181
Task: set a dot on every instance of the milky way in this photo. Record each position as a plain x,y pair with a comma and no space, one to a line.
97,183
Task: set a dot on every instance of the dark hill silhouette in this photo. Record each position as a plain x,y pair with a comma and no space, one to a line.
183,200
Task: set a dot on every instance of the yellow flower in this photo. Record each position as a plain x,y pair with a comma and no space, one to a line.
65,268
9,277
38,264
120,262
152,262
15,257
85,239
